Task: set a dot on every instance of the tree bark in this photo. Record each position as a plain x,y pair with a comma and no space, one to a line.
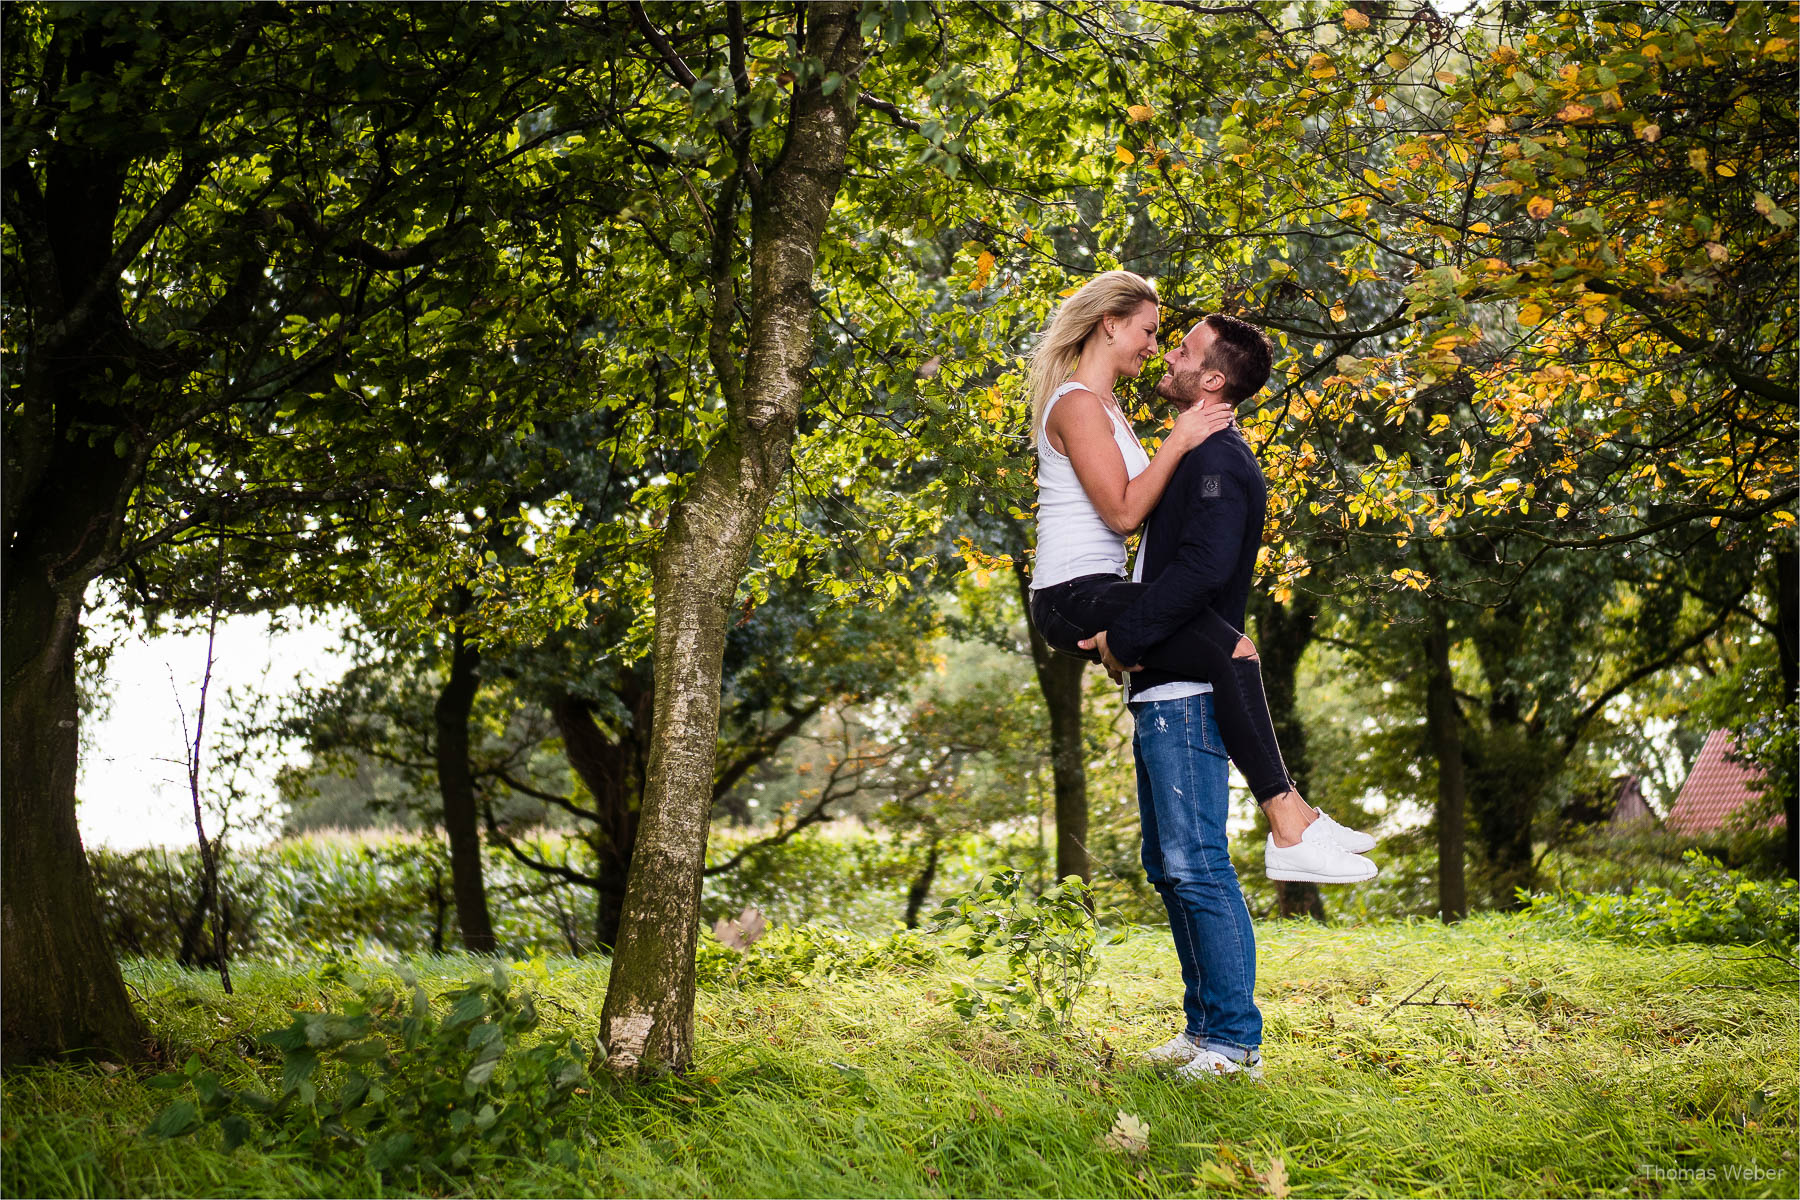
921,887
648,1018
1443,724
1787,623
1283,632
456,784
613,773
1059,678
61,987
65,491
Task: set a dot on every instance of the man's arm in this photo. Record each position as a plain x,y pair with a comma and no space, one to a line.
1212,533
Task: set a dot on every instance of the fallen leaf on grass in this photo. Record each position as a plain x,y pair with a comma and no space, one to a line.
1128,1135
1275,1180
1215,1175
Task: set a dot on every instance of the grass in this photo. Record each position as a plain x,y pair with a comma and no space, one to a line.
1548,1066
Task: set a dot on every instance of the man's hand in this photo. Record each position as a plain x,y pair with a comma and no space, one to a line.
1113,666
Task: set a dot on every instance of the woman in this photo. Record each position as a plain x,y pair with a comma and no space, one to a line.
1095,486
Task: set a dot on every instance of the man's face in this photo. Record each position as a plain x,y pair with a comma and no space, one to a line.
1181,382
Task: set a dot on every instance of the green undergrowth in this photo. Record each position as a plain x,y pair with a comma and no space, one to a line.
1498,1058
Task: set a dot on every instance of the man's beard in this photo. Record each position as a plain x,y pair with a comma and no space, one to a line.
1181,388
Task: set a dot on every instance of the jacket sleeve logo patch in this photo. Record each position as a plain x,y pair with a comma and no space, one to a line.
1210,487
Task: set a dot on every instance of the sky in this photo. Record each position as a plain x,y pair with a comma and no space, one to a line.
132,789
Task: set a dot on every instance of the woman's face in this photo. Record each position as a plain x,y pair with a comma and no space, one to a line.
1134,339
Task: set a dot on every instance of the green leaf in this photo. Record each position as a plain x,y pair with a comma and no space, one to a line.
179,1118
479,1074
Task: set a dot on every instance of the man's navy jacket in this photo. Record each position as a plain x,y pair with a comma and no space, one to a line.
1199,550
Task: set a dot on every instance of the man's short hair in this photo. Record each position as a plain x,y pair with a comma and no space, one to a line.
1242,352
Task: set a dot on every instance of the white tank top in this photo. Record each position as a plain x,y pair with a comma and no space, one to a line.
1072,540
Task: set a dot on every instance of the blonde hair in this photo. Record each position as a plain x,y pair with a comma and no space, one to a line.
1109,294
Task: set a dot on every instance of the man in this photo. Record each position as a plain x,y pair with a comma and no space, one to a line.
1199,551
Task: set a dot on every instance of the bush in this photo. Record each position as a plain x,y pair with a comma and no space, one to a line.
799,954
1048,942
1714,905
392,1079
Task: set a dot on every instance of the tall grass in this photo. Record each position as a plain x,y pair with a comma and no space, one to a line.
1500,1057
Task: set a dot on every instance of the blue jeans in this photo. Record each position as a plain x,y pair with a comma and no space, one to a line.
1182,798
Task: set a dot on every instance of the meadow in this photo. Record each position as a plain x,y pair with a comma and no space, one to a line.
1510,1055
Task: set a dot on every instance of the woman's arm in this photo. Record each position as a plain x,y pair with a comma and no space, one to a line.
1080,428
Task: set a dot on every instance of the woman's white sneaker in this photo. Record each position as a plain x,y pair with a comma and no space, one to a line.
1315,858
1353,840
1178,1049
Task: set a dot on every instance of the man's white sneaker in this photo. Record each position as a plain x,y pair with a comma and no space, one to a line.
1178,1049
1315,858
1353,840
1210,1063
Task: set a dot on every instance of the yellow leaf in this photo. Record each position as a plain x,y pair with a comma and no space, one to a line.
1275,1180
1775,45
1371,178
1125,156
1495,125
1575,112
1480,227
1539,207
1339,312
1379,104
1360,208
1717,252
1594,314
1067,292
1438,424
1444,77
1650,50
1697,158
1354,20
984,270
1726,169
1650,132
1530,313
1399,60
1140,112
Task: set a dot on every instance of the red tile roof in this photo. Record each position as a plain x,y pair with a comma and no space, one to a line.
1715,788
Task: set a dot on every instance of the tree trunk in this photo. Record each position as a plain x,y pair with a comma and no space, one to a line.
65,490
1787,622
1059,678
61,987
456,783
1443,723
613,775
1282,635
648,1018
921,887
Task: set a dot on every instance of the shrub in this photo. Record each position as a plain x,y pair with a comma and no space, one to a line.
798,954
1048,941
1714,905
390,1078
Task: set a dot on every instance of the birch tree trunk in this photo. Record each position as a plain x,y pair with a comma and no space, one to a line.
648,1018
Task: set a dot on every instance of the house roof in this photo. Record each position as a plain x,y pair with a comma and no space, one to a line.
1715,788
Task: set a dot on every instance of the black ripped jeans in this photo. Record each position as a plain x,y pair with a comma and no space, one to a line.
1202,650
